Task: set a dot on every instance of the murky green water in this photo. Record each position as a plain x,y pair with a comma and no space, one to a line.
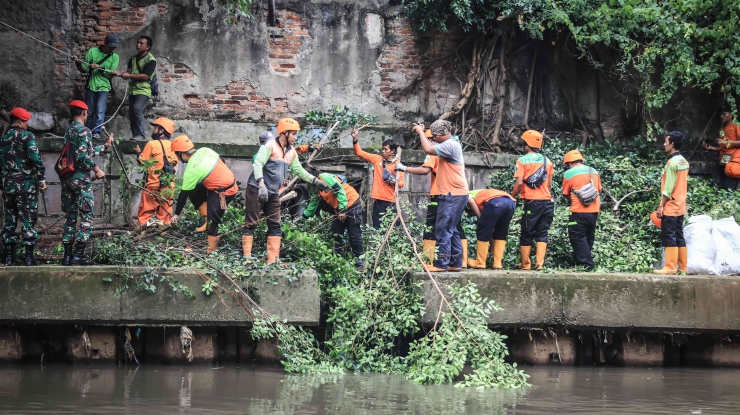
165,389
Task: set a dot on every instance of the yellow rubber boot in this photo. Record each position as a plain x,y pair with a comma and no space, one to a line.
203,209
683,259
481,255
427,252
499,246
273,248
464,243
212,243
526,253
671,258
247,245
541,251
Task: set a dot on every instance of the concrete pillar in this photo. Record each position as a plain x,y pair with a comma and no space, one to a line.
99,345
641,349
11,349
726,351
267,352
537,347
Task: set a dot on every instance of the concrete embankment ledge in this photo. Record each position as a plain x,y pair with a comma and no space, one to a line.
92,295
593,300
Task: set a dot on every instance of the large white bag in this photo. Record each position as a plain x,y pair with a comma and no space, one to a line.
726,233
700,242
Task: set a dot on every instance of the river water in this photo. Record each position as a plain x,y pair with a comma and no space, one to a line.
178,389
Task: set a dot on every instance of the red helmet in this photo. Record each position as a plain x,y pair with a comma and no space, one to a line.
21,114
78,104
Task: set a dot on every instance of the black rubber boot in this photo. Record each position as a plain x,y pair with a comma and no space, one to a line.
30,260
67,261
9,254
79,257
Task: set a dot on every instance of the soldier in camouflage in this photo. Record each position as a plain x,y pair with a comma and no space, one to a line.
77,194
23,176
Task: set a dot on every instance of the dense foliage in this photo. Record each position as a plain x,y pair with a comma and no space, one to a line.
663,45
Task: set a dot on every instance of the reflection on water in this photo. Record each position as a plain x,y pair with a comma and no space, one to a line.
167,389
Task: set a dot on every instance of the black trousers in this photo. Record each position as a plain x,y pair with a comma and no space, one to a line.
379,208
254,209
671,231
353,225
199,195
724,181
581,231
536,221
431,220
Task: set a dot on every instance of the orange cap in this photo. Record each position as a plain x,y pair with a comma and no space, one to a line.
78,104
21,114
656,220
287,124
532,138
165,123
182,144
573,155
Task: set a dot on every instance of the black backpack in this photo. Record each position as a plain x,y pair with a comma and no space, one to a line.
167,168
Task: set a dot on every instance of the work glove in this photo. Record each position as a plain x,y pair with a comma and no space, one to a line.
321,185
263,195
400,167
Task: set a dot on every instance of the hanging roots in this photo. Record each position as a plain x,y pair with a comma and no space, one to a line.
129,349
186,339
86,343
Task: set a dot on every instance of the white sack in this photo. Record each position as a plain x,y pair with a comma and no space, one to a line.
726,233
701,245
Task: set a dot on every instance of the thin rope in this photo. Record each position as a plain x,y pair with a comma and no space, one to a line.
38,40
125,94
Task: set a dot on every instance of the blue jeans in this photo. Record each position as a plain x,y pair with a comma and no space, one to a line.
136,104
96,104
449,214
495,219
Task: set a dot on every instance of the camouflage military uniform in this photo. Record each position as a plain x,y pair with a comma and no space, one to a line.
21,169
77,194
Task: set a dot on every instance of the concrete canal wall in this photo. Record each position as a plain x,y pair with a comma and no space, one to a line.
80,314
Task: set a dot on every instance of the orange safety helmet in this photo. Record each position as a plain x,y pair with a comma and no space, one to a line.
287,124
182,144
573,155
165,123
656,220
532,138
428,133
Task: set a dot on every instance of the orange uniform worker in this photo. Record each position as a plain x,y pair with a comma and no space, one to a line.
494,209
728,145
207,182
453,194
672,208
583,185
431,162
156,202
534,183
384,177
272,162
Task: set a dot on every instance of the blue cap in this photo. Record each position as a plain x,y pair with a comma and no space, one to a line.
112,40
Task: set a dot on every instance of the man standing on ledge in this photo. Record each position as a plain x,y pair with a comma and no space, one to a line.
140,71
453,194
430,168
77,193
99,64
672,208
384,177
534,183
584,209
22,172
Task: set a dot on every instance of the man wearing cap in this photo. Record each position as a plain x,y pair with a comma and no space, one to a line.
584,209
728,146
431,162
155,206
77,194
140,71
453,194
22,172
207,182
672,207
99,63
273,161
539,206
